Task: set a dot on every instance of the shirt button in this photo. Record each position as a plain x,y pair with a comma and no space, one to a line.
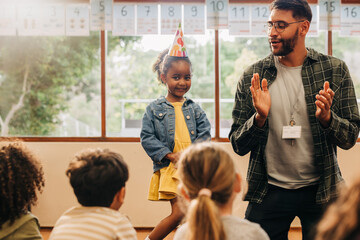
187,117
192,132
160,114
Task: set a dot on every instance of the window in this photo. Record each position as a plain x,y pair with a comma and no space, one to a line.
132,85
49,86
236,54
96,88
348,49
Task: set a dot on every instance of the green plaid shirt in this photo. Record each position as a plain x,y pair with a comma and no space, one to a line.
343,131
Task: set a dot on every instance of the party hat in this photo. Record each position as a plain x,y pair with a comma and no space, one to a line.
178,48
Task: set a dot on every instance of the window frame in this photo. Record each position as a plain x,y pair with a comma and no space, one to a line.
103,48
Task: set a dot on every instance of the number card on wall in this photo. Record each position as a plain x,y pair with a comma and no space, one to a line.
259,16
123,19
53,20
313,31
329,14
77,20
29,20
194,19
350,20
239,19
217,14
147,19
170,18
101,15
7,20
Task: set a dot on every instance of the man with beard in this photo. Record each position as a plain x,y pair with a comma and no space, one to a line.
292,124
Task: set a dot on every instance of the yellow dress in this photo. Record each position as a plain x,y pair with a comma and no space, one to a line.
163,184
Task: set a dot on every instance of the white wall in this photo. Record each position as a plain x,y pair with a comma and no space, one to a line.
58,195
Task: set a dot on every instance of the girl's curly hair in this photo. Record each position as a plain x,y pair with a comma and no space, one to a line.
21,176
163,63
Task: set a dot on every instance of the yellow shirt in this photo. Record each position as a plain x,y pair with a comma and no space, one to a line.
182,136
163,185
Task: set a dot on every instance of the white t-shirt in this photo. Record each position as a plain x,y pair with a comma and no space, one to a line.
289,165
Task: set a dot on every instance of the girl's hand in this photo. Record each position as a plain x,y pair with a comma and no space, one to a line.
173,157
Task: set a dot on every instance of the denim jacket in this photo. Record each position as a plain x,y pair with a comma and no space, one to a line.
158,128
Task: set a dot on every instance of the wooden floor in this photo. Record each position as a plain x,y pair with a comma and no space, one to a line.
294,234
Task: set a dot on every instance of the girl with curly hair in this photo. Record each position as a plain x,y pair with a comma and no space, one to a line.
21,176
170,124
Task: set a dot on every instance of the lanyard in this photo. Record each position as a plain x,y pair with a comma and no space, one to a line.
294,106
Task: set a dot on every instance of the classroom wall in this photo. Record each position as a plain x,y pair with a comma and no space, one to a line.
58,196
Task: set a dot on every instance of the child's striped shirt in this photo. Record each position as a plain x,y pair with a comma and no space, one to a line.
88,223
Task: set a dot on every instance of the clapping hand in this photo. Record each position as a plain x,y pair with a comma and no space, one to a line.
323,103
261,99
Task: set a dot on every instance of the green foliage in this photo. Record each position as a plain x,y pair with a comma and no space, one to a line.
63,77
235,56
316,42
246,58
56,70
130,78
348,49
202,59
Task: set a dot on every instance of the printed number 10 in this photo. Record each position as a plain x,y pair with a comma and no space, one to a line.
217,5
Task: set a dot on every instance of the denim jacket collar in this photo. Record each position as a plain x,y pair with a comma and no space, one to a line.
162,99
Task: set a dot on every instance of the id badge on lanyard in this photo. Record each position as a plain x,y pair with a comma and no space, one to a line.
291,132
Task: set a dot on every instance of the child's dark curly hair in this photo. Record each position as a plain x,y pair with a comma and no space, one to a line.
163,63
21,176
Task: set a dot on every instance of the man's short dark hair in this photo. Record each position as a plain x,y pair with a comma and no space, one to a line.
300,8
96,176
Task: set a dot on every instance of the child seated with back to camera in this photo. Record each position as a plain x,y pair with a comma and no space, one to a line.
21,177
98,178
209,182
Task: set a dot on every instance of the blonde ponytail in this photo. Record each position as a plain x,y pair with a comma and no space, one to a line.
204,220
208,175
